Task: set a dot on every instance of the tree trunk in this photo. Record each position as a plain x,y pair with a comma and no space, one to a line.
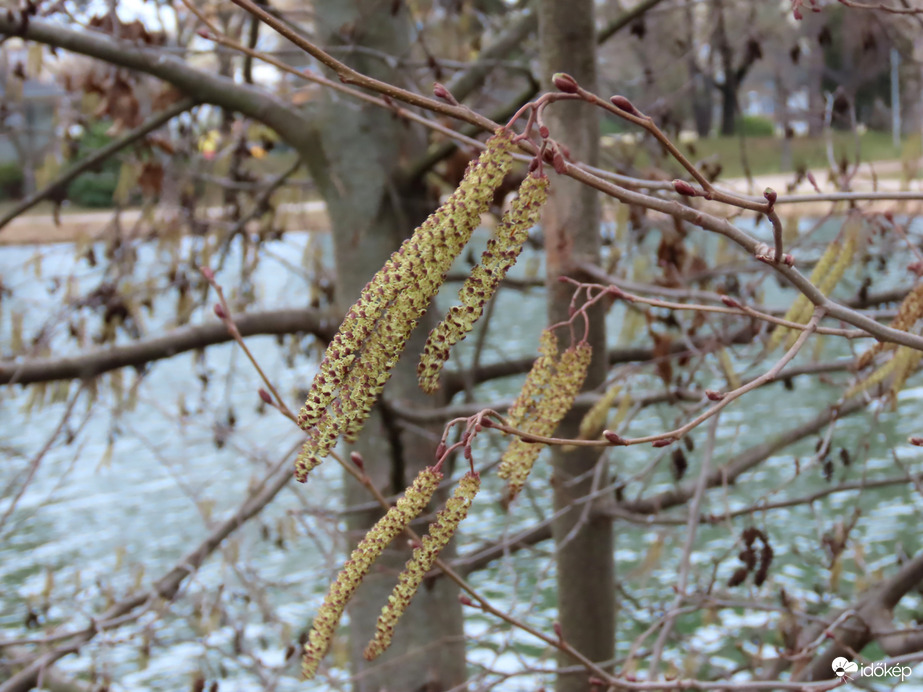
728,85
583,546
354,160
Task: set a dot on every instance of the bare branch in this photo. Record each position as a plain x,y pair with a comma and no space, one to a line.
140,353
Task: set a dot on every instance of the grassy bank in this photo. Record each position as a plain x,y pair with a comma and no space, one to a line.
766,155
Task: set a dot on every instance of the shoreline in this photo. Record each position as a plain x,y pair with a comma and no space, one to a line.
312,216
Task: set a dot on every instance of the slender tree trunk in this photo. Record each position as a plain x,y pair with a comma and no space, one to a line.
728,85
584,547
354,159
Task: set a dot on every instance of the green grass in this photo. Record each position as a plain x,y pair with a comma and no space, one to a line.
765,154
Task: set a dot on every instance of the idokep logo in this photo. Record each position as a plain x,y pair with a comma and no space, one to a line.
848,669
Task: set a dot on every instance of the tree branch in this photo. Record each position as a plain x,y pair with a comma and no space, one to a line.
140,353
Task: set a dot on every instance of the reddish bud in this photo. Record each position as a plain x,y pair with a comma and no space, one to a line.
559,633
440,92
356,458
557,160
204,33
684,188
440,450
219,311
465,601
770,195
487,423
207,273
264,395
623,103
615,438
713,395
566,83
889,215
566,152
917,441
534,164
663,443
544,131
730,302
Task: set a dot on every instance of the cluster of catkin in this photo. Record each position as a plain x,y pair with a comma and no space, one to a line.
500,255
909,318
547,395
371,547
359,360
826,275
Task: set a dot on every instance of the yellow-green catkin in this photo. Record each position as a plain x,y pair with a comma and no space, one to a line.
424,557
910,310
555,400
369,549
826,275
500,255
359,359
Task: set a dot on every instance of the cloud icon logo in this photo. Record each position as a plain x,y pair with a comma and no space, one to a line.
842,666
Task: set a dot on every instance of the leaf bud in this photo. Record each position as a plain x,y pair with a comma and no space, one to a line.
730,302
770,195
666,442
356,458
564,82
623,103
713,395
684,188
917,441
264,395
615,438
219,311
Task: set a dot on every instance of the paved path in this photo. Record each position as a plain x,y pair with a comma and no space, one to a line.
41,228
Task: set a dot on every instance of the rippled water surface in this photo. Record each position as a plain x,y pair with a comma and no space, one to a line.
139,485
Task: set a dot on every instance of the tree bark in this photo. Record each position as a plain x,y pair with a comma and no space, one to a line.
584,543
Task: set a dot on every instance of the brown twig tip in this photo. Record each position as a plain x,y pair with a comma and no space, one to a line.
623,103
219,311
663,443
615,438
770,196
356,458
564,82
265,396
684,188
713,395
916,441
813,181
440,92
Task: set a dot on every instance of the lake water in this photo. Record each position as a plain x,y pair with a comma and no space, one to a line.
135,488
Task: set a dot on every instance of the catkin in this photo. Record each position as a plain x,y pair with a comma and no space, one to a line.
500,255
369,549
359,359
910,310
546,410
424,557
826,275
